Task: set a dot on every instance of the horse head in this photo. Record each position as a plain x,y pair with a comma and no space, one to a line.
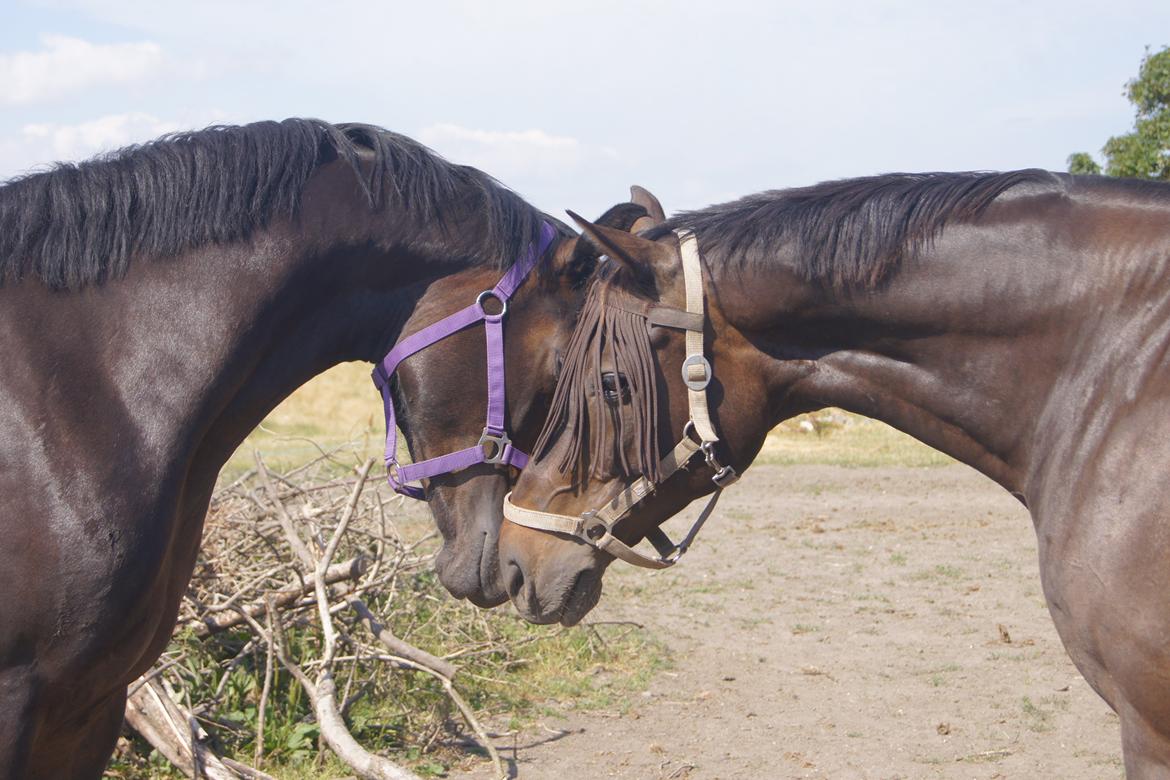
626,445
440,395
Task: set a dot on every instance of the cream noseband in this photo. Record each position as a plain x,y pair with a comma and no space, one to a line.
595,527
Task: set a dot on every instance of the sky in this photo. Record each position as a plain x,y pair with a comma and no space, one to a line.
570,103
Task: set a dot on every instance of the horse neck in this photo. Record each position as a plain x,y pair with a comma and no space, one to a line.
334,301
199,348
981,348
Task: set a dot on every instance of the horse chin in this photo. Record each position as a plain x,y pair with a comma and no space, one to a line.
471,572
487,601
564,602
582,598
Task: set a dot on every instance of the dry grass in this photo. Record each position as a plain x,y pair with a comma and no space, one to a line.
341,405
527,671
334,408
530,671
832,437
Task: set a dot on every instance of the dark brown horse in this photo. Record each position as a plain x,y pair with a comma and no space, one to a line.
1019,322
156,304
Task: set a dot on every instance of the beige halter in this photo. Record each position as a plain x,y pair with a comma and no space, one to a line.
595,527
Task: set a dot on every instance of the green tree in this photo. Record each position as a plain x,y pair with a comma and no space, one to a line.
1083,163
1145,151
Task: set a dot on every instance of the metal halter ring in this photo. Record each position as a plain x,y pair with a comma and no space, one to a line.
592,527
696,384
479,299
498,442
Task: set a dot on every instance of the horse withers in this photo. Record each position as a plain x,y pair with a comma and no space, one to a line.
156,304
1018,322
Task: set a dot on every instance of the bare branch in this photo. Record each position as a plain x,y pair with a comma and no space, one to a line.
267,565
154,714
465,709
352,569
396,646
262,707
323,564
286,522
342,743
329,718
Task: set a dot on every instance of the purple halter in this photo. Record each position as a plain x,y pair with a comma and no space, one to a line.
494,446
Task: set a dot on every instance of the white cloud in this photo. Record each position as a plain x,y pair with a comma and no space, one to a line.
512,154
36,145
65,65
73,142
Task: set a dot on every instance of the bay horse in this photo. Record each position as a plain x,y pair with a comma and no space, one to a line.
157,303
1019,322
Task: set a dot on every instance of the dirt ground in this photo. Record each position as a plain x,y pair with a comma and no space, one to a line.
844,623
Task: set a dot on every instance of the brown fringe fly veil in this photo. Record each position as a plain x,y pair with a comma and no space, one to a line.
612,325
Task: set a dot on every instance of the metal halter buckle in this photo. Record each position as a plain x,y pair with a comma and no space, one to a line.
479,299
497,441
592,527
708,448
725,476
696,384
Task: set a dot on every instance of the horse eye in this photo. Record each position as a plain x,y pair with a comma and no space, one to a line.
560,364
615,387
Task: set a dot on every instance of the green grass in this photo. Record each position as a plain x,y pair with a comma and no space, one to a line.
527,672
1037,717
940,572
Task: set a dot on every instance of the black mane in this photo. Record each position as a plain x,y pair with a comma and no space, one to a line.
80,224
849,233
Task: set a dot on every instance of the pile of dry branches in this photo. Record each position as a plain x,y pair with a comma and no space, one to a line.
294,568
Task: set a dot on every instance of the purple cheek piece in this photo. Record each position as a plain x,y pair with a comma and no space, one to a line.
494,445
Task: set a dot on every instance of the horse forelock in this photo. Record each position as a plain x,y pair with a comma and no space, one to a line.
579,408
79,224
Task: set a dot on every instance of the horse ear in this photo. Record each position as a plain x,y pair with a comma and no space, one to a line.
580,262
654,214
643,223
644,198
638,254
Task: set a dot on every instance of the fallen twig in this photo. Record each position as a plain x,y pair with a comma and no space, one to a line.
266,568
397,646
152,712
352,569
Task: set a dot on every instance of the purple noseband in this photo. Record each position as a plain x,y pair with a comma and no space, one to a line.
494,446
